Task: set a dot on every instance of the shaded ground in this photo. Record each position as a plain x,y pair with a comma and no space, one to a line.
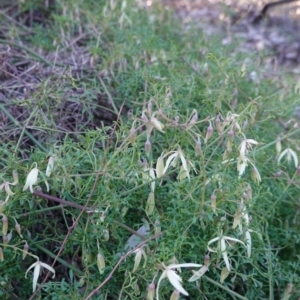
277,35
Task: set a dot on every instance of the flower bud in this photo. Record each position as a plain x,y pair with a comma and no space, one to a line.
288,291
138,257
136,289
4,225
255,176
50,166
176,120
198,147
193,120
157,227
213,199
249,192
5,185
175,295
209,132
149,107
207,260
151,290
129,114
1,255
102,216
18,228
148,147
100,263
224,274
132,135
230,135
144,118
105,235
278,146
5,240
218,125
150,205
15,178
25,250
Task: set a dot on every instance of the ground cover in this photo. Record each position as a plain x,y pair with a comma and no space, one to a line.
138,151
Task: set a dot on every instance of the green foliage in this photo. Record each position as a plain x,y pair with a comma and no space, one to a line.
157,172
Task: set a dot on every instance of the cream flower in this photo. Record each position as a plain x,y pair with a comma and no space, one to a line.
222,239
139,253
289,154
37,268
173,160
173,277
31,179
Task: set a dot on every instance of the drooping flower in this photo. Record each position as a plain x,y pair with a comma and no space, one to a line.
31,179
222,239
173,157
139,253
289,154
37,269
173,277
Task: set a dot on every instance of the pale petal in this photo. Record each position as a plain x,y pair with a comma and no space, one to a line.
242,148
295,157
31,179
169,160
248,242
7,189
160,167
152,175
185,265
226,260
233,239
198,274
36,275
157,124
175,280
210,242
251,141
49,268
32,266
282,154
184,163
162,276
137,260
241,165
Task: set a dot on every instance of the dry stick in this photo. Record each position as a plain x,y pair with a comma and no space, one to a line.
119,262
86,209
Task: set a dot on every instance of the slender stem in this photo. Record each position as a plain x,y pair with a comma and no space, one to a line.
225,288
24,130
63,262
119,262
